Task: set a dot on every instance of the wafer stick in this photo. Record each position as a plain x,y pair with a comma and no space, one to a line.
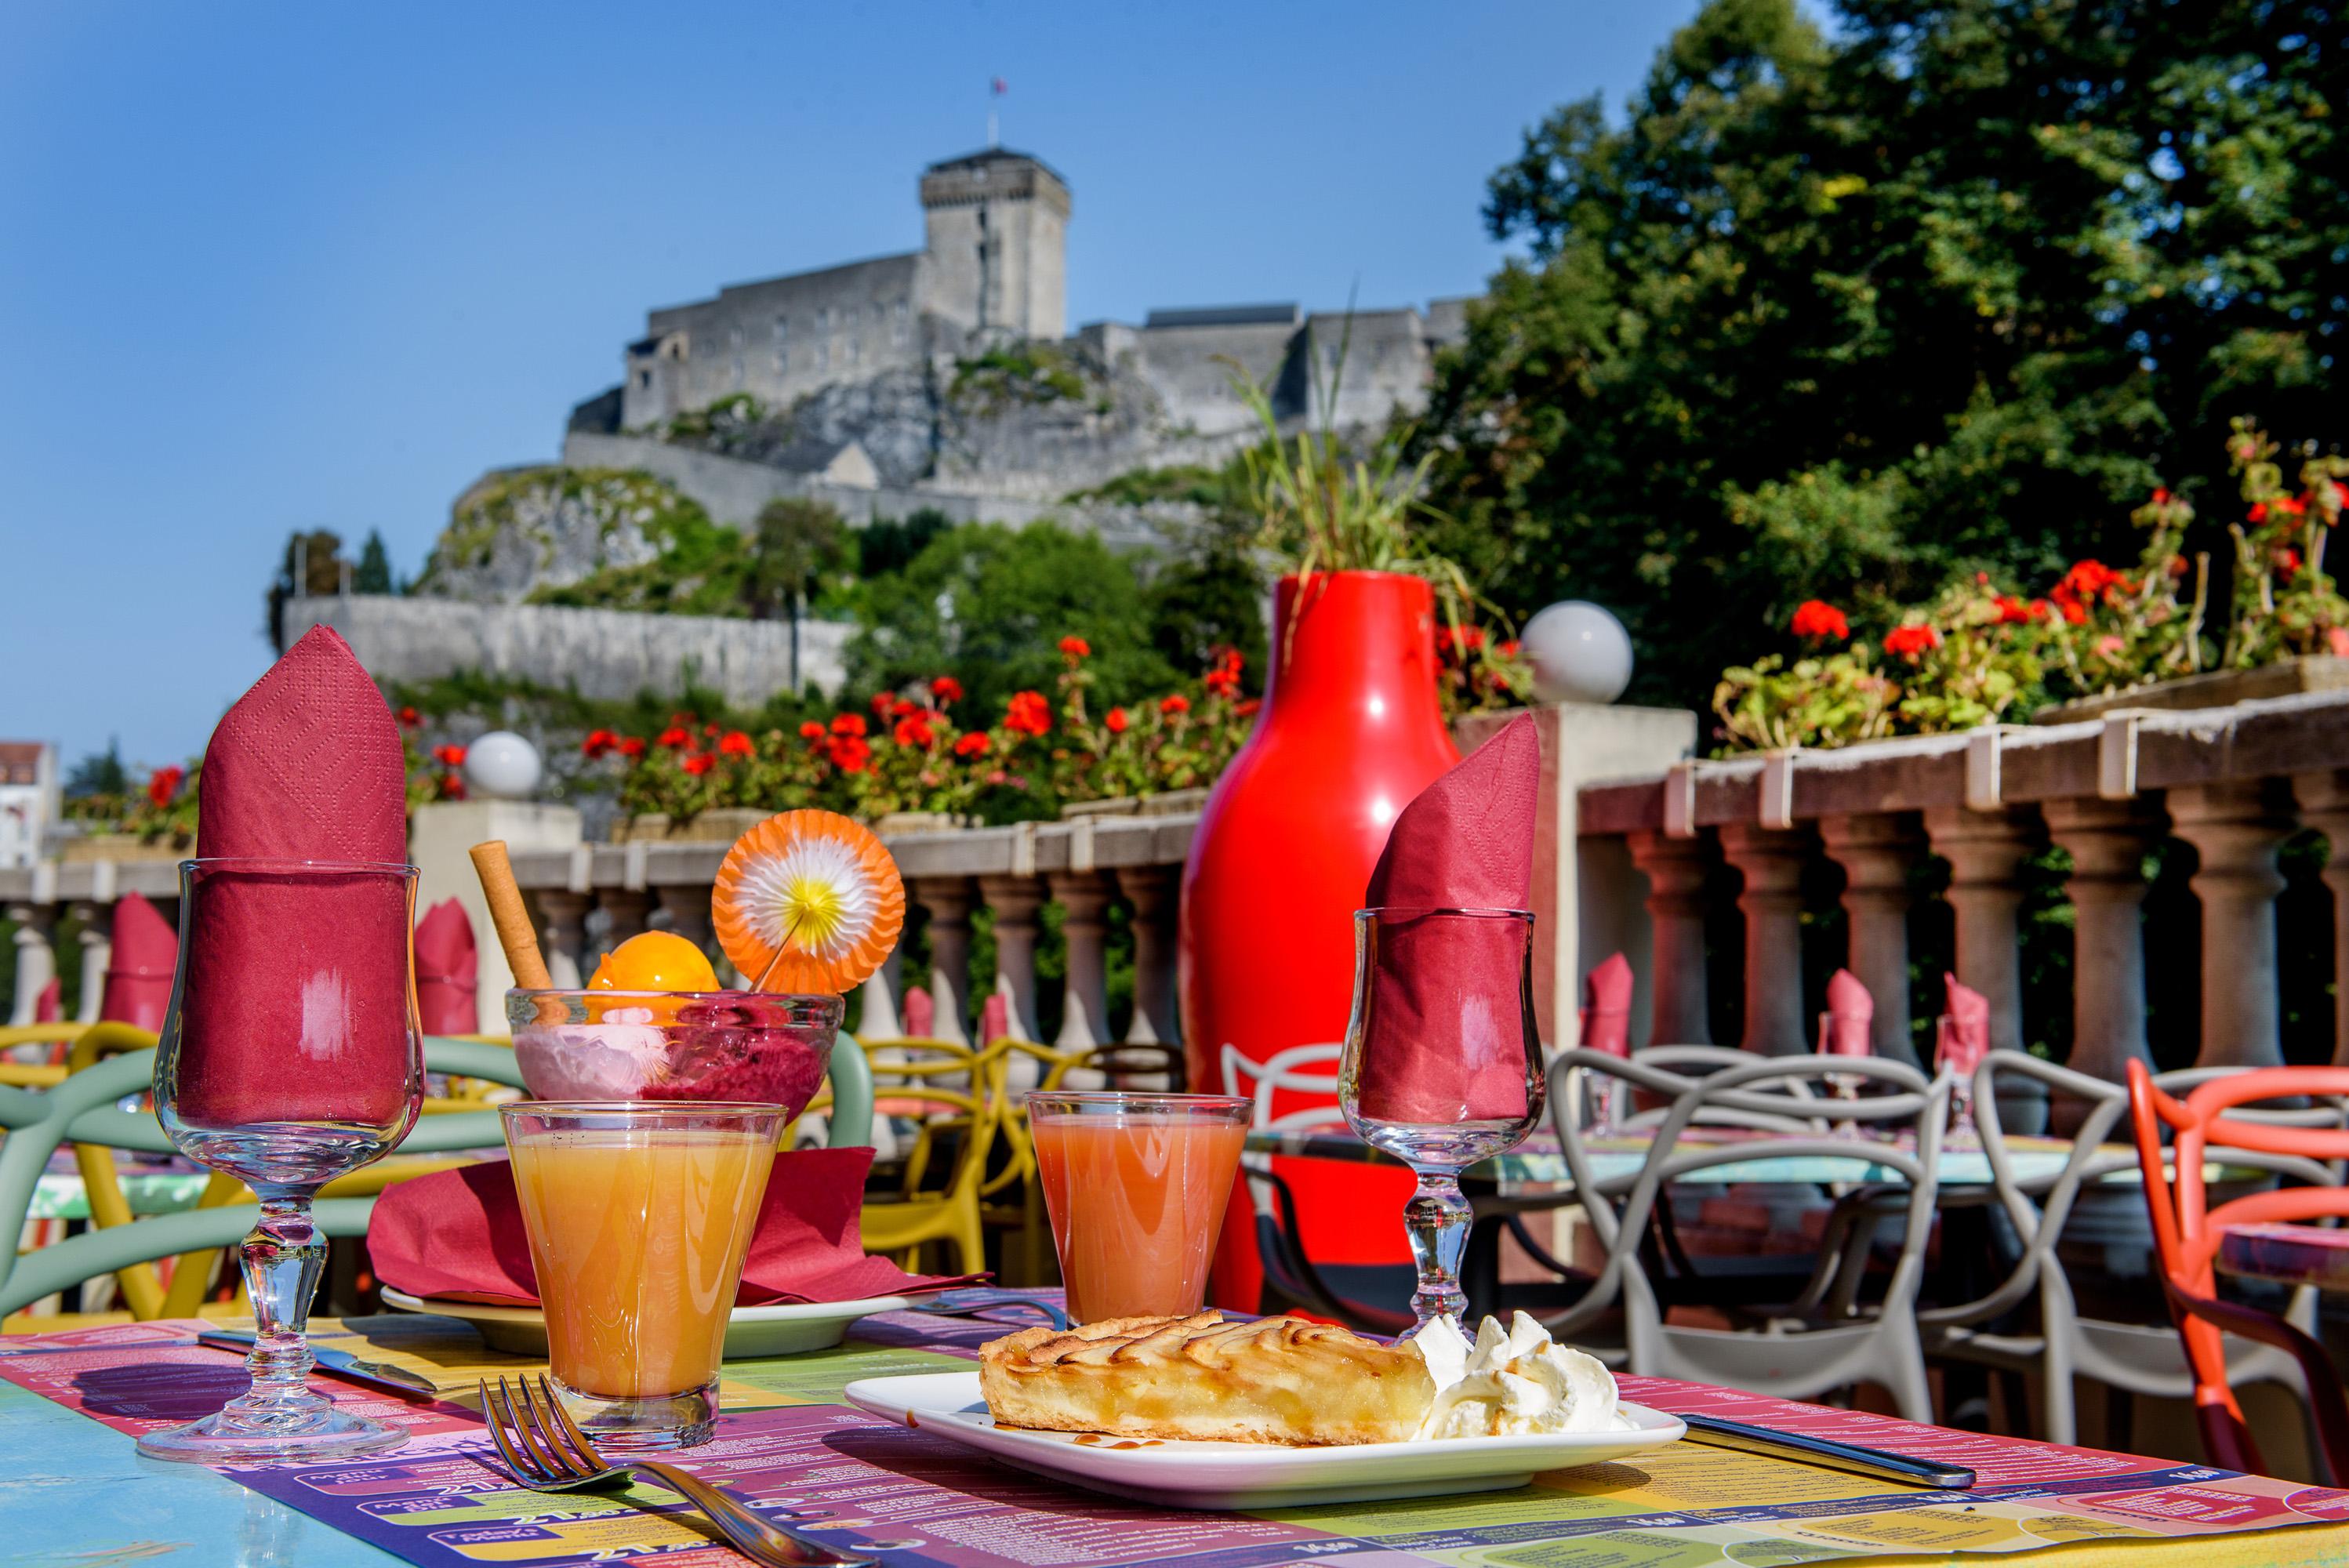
513,921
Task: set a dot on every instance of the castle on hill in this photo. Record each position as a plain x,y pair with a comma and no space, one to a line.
993,270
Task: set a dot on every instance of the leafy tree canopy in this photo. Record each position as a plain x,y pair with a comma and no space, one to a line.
1844,315
373,574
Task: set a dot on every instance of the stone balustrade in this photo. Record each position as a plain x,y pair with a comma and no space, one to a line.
1680,846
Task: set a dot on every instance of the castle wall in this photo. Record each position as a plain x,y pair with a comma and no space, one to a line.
778,338
602,654
1386,368
1184,366
732,489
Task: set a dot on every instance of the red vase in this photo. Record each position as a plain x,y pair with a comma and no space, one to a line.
1349,732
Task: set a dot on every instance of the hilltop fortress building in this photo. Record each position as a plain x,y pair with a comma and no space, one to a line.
993,269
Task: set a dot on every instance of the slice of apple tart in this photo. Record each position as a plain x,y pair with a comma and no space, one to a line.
1199,1379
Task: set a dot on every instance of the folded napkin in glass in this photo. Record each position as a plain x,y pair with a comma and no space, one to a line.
458,1235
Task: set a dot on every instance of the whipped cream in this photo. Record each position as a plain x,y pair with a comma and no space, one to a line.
1511,1382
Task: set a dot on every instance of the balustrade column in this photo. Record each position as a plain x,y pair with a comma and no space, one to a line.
1154,891
2236,828
1676,870
948,902
1015,900
2108,840
687,904
1877,854
2323,800
96,955
562,932
1770,861
36,962
626,909
1084,1009
1985,850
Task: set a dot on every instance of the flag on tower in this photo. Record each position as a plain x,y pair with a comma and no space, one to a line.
1001,87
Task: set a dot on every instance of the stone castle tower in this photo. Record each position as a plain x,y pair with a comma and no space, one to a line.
994,264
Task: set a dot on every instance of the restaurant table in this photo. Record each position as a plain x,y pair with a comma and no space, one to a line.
2288,1254
73,1490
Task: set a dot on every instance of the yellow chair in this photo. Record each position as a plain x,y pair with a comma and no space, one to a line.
955,1091
35,1075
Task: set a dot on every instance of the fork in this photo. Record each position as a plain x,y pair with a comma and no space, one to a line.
546,1451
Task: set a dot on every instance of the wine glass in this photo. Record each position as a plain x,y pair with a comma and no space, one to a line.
1443,1065
291,1054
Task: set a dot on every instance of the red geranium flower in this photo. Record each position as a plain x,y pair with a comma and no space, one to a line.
597,743
1117,720
2287,560
914,729
409,718
1178,702
449,756
849,754
901,708
2013,612
946,688
2161,497
972,745
700,762
812,731
1223,683
451,786
1074,648
709,729
1245,709
1028,713
848,724
2259,512
734,743
164,783
632,746
1911,641
882,700
1816,618
677,735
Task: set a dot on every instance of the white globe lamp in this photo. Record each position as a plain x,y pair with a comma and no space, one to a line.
1581,652
503,766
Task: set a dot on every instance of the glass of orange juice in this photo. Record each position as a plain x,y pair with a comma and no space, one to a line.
639,1214
1136,1185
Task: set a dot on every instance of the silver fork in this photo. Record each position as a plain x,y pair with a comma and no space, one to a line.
546,1451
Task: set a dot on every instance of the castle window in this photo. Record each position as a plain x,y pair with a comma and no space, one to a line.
738,370
783,361
782,330
644,380
898,333
824,318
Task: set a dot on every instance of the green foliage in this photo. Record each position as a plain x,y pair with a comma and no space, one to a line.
1207,600
700,567
736,411
98,773
986,606
889,545
1002,378
795,542
1852,314
1222,489
315,557
373,574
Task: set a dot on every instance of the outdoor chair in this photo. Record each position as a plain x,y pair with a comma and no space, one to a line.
2058,1341
954,1097
1824,1337
1364,1295
2186,1232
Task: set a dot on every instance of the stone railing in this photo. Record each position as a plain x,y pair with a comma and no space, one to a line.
2233,783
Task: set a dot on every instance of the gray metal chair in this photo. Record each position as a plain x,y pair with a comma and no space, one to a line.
1824,1337
2140,1358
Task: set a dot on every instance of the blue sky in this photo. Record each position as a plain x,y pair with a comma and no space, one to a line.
270,267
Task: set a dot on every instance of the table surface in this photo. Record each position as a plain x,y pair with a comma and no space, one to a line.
73,1490
1538,1164
2293,1255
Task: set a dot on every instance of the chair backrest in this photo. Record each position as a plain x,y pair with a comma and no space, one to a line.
942,1085
1287,1070
2186,1232
1758,1094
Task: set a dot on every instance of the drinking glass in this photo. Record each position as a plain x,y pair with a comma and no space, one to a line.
1442,1065
639,1214
1136,1185
290,1055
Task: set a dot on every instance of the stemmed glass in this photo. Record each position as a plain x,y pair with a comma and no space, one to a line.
1442,1065
291,1054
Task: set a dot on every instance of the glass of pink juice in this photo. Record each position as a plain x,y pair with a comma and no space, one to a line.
1136,1185
639,1214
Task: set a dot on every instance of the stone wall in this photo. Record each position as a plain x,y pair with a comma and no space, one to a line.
732,489
602,654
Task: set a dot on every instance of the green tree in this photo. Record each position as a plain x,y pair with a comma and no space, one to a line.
795,542
1945,288
1212,598
312,566
98,773
889,545
373,574
989,604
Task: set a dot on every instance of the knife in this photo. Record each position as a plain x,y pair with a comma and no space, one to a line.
333,1363
1822,1451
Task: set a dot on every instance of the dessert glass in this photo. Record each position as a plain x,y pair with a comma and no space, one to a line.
741,1046
1136,1186
639,1217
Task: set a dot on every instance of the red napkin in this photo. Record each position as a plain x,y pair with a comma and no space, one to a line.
49,1002
994,1019
920,1014
448,971
1965,1030
1843,1027
139,973
297,1004
458,1234
1446,1021
1607,1006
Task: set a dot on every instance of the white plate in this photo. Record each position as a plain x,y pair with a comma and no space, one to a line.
1248,1475
781,1328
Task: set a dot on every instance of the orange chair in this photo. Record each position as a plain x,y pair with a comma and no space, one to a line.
2186,1236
